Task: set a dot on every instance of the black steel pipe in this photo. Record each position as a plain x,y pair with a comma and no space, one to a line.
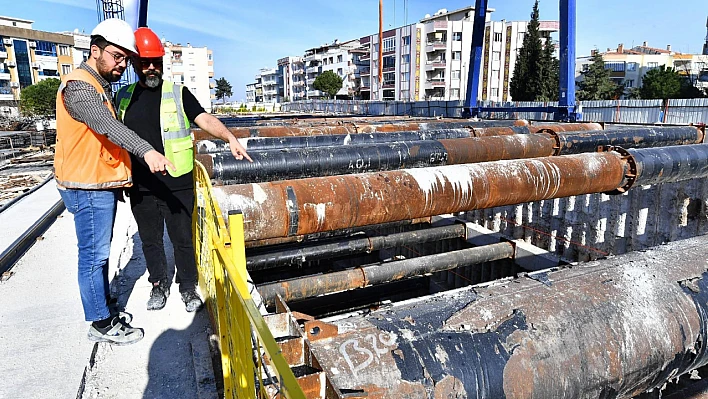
352,246
670,164
360,277
289,142
635,137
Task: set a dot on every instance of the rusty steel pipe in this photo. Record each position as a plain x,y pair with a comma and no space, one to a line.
606,329
565,127
636,137
296,207
351,246
281,131
361,277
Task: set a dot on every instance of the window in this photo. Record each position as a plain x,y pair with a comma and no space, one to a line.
86,55
63,50
455,75
652,65
46,48
631,66
65,69
497,36
405,59
456,55
456,36
405,95
389,44
389,61
494,92
454,93
405,76
193,79
331,60
496,56
389,78
629,83
406,40
339,71
339,58
209,56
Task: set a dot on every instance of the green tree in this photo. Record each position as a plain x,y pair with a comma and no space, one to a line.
223,89
661,83
596,83
535,70
328,82
40,99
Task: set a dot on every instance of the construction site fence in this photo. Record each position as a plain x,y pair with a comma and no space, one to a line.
673,111
251,361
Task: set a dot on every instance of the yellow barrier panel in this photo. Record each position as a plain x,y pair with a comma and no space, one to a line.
225,284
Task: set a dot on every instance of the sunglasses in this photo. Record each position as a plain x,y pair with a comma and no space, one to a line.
145,62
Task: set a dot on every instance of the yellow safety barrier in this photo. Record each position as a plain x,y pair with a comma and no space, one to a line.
224,281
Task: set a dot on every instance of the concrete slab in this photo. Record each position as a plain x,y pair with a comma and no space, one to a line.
16,219
43,344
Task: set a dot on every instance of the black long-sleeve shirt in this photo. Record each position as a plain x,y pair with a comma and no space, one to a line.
84,104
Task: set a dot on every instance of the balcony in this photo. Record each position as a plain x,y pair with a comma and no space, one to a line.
5,75
313,69
298,71
436,82
365,57
3,54
435,64
435,45
364,71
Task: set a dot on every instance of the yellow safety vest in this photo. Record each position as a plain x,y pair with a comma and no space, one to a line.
174,125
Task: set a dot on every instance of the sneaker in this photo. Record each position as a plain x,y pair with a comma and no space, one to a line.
192,301
117,333
158,295
115,311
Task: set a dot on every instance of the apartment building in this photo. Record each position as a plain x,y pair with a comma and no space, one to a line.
192,67
338,57
254,90
430,60
291,72
28,56
251,92
628,66
269,84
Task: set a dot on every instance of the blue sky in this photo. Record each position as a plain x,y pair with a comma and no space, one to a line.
249,35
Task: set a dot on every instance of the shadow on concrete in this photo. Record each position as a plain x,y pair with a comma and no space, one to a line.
174,369
124,282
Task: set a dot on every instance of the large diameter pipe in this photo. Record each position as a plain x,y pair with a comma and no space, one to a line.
643,137
296,207
327,161
360,277
279,131
607,329
270,143
305,206
352,246
565,127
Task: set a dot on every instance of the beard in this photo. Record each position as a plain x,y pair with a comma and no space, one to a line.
110,74
151,79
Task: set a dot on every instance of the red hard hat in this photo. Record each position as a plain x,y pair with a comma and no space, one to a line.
148,44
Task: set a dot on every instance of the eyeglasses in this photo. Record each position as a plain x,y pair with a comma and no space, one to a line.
145,62
118,58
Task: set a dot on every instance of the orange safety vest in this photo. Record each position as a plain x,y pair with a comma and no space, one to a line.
83,158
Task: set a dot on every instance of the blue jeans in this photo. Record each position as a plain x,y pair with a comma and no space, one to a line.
94,214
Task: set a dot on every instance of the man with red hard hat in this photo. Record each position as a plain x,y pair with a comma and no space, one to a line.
161,113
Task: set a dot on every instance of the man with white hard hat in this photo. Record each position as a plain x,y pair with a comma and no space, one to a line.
92,168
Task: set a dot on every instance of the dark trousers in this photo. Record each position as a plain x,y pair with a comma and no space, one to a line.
151,212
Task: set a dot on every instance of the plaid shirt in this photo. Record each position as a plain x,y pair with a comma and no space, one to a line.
85,105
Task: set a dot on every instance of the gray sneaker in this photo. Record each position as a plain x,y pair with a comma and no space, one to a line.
117,333
192,301
158,295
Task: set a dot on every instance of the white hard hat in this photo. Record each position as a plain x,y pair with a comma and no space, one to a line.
117,32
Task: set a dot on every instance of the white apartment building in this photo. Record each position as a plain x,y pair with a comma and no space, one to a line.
82,47
291,71
191,66
251,92
628,66
269,82
430,60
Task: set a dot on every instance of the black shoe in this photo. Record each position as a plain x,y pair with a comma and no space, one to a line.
158,295
192,301
117,333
